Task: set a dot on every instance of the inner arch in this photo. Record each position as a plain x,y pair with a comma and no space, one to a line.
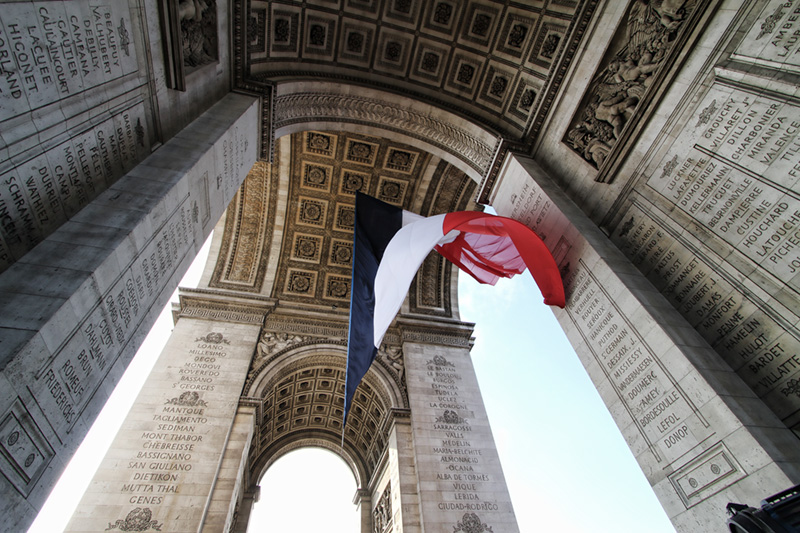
319,478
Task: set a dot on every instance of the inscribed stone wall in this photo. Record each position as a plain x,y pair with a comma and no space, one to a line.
460,478
167,456
687,417
73,112
73,310
714,220
83,99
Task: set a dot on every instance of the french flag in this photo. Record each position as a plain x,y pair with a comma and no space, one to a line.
389,246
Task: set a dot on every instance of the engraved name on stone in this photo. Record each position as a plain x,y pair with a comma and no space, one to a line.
761,350
459,469
169,444
734,174
67,381
737,176
662,412
774,36
53,50
39,194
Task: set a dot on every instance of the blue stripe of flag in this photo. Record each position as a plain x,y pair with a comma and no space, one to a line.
376,223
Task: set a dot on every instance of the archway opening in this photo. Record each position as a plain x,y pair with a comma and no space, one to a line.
305,491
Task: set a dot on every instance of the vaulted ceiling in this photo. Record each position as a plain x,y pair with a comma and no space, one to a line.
496,62
493,65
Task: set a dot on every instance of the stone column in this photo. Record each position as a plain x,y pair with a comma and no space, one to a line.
461,482
699,433
403,480
226,500
363,503
167,467
249,499
74,310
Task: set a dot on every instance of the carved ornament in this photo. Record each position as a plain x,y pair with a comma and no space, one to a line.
615,99
315,107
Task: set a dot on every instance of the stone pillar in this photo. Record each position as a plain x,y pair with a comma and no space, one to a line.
168,465
74,309
226,500
461,482
363,503
699,433
403,480
249,499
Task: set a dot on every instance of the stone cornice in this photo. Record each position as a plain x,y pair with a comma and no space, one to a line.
222,306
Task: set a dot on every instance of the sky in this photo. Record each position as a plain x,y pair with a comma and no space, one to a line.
566,464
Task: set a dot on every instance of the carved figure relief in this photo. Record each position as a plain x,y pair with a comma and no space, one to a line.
394,358
382,514
640,47
198,21
271,343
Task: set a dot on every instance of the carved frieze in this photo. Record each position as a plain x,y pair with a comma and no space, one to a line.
640,50
382,513
313,107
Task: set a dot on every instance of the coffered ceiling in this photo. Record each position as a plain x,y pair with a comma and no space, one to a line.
316,200
497,62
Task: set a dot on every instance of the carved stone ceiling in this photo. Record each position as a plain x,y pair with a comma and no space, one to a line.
498,62
309,402
325,171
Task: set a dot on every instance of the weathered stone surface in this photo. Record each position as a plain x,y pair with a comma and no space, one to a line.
177,456
121,257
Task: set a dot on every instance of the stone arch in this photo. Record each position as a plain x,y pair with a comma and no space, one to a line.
306,105
300,390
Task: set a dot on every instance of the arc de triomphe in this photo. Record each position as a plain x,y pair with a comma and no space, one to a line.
653,146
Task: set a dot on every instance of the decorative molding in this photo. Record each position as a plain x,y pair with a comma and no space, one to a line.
436,337
215,306
249,226
316,107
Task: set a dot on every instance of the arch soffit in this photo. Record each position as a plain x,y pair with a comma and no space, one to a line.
269,373
312,442
311,105
302,372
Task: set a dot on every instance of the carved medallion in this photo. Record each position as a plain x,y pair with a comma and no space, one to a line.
140,519
451,417
440,360
187,399
213,338
471,523
792,387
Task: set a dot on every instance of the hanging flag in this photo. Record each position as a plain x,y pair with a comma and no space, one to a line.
389,246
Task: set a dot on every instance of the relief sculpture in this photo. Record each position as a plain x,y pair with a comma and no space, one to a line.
639,49
271,343
394,357
198,32
382,514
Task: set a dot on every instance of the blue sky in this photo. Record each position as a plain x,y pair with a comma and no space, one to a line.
567,467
